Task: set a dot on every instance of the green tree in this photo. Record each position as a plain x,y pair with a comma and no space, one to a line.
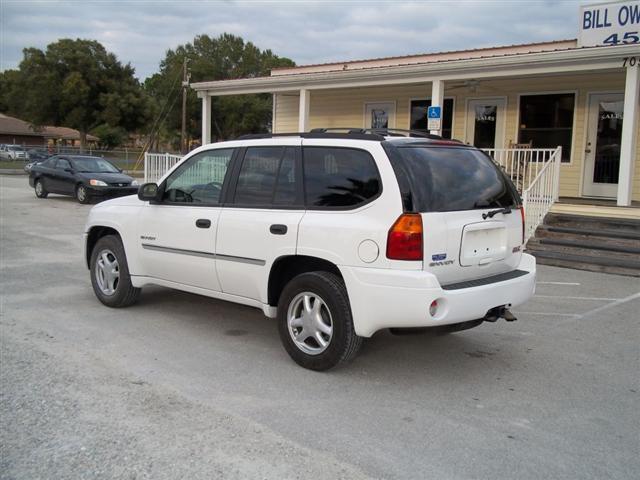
77,84
222,58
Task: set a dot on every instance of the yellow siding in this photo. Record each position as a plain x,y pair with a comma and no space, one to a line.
345,108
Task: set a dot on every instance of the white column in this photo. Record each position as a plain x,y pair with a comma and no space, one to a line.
437,100
303,112
629,140
274,106
206,119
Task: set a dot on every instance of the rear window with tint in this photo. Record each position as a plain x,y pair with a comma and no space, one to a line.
446,179
339,177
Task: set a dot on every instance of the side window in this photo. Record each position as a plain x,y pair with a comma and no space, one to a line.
62,163
50,162
267,177
339,177
199,180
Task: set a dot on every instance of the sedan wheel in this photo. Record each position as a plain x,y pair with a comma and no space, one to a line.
41,192
82,195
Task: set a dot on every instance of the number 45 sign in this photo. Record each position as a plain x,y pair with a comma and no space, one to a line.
615,23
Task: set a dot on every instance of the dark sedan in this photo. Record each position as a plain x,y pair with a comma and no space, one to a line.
82,177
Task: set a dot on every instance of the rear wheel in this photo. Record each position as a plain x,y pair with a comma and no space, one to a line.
41,192
315,323
82,194
110,273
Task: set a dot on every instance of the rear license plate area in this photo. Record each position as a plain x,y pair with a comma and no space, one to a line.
483,243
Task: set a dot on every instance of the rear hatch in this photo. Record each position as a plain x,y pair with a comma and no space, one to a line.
470,211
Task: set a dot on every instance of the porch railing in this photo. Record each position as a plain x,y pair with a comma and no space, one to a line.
536,174
157,164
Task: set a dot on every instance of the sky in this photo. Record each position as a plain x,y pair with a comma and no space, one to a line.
141,31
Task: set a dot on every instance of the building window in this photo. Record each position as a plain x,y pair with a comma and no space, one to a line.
547,121
419,116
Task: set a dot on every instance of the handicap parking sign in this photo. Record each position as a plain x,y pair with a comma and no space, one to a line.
434,112
434,118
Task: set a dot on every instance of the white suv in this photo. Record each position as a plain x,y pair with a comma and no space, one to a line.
337,235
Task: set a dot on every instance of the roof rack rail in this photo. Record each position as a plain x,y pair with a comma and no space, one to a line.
318,133
374,134
388,132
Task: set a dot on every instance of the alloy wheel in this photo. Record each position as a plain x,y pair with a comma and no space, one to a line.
310,323
107,272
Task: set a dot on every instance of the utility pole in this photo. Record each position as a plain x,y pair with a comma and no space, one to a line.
185,85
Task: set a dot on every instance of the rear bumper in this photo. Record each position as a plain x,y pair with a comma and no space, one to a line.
392,298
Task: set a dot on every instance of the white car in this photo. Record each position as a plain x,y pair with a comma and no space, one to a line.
337,235
14,152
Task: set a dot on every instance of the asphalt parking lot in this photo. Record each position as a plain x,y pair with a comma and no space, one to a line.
181,386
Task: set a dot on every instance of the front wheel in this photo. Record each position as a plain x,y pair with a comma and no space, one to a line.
315,323
41,192
110,273
82,194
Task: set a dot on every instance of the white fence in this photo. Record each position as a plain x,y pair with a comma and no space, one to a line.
157,164
536,174
534,171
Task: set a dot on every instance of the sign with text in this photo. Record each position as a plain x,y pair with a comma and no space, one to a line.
434,118
616,23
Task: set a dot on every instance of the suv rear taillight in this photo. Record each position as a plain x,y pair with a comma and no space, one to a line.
521,208
404,241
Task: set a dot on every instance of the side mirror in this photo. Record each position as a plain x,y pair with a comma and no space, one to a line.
148,192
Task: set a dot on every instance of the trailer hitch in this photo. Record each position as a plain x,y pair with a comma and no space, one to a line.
499,312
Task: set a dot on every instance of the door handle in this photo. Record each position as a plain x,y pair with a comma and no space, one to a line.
278,229
203,223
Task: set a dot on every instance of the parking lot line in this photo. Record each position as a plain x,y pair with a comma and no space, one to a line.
578,298
558,283
609,305
550,314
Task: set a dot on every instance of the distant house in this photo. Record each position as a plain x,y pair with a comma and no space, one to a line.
16,131
67,136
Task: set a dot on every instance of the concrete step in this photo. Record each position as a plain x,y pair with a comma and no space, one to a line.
587,262
601,250
588,237
585,222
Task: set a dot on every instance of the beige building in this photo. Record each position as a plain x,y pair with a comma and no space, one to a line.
543,95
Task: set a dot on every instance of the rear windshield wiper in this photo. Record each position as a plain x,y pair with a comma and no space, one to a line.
490,214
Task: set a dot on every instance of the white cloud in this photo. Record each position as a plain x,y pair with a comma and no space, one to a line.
141,31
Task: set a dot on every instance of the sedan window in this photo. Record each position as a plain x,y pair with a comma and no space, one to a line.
94,165
62,164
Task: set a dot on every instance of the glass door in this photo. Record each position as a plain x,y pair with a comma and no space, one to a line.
602,155
485,122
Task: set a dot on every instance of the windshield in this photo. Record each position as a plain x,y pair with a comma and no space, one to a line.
14,149
94,165
446,179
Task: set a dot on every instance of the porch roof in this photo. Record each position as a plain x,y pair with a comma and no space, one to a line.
434,67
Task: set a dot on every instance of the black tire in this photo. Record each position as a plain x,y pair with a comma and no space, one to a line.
344,344
124,293
38,187
82,194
